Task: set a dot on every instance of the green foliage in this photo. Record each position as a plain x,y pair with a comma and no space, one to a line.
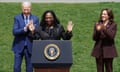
83,15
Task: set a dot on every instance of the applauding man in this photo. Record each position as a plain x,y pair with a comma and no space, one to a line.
22,45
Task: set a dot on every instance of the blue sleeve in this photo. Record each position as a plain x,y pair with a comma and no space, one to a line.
17,30
36,24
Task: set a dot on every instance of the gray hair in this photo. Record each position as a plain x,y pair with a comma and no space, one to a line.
26,3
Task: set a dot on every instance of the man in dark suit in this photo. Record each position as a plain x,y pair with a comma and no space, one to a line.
22,45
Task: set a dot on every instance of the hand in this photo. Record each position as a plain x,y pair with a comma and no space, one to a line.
31,27
27,26
100,27
70,26
29,23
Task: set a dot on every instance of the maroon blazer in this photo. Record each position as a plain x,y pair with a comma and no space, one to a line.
104,42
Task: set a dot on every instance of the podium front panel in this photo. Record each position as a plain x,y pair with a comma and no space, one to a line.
38,57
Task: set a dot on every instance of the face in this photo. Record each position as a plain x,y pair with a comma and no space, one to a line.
49,18
104,15
26,9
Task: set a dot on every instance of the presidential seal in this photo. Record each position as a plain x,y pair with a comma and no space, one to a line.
51,51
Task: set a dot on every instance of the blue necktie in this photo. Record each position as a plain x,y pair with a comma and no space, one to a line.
26,22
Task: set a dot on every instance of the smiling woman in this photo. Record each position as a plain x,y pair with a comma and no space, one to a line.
51,29
104,34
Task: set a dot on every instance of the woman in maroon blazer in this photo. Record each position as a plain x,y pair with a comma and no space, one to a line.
104,34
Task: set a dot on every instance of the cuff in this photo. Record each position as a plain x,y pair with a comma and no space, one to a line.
25,29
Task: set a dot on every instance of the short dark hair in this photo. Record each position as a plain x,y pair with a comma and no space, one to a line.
43,23
110,14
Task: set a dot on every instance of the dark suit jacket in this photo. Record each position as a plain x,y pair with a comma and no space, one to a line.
56,33
104,42
20,35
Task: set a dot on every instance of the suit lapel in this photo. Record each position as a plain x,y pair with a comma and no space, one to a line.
31,17
108,25
22,20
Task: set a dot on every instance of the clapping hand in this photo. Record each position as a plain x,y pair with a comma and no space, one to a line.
100,27
70,26
31,26
26,27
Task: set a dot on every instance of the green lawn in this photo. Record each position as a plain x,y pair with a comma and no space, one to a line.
83,15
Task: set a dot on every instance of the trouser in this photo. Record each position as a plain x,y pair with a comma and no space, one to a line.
107,62
18,61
